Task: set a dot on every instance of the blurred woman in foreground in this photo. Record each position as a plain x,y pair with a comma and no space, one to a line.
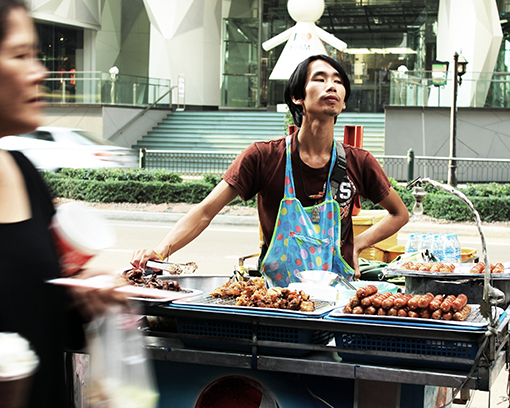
49,317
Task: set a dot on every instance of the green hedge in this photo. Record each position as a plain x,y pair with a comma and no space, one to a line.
131,186
492,201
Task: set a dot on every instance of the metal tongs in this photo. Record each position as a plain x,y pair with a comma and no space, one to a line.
171,267
340,279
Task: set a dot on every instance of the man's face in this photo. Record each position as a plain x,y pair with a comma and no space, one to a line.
324,92
20,74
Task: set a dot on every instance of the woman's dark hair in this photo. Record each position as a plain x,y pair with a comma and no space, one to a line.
5,7
296,85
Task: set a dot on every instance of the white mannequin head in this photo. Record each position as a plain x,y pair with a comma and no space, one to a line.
305,11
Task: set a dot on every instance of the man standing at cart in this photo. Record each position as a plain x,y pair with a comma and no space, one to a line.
306,224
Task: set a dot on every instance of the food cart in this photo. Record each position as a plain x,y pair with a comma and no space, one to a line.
298,360
220,355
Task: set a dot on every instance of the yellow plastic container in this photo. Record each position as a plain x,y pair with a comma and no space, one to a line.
467,254
388,254
364,220
395,251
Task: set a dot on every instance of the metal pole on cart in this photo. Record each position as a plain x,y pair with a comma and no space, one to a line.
491,295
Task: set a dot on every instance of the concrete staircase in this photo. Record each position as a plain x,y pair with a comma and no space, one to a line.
233,131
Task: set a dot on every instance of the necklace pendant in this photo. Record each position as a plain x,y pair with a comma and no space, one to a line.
316,215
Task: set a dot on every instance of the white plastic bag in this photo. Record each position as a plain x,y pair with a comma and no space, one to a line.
121,376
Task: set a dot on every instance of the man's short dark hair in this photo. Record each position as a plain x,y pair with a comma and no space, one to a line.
296,85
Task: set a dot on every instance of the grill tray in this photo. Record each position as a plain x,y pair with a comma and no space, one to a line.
462,271
322,307
228,331
475,320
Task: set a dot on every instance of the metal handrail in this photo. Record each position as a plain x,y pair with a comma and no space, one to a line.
138,115
397,167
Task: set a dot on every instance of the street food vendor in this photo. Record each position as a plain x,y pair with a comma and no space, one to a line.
305,222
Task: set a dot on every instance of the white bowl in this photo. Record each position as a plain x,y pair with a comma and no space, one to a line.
322,292
317,277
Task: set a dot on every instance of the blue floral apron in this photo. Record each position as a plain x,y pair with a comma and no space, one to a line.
298,244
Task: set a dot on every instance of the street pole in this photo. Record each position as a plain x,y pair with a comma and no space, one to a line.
452,163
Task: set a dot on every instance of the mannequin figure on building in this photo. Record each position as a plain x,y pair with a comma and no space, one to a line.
297,168
303,39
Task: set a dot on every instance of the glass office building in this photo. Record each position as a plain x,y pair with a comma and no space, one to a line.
382,35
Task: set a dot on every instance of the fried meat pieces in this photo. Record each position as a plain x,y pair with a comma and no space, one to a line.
135,277
253,293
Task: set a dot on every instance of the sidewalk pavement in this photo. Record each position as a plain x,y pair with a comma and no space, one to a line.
247,216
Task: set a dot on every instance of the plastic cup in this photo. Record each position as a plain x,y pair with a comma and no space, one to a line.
79,233
15,391
18,364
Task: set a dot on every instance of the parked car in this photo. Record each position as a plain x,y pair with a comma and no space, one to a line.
53,148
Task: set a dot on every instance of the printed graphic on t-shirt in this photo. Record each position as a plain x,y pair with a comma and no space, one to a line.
345,196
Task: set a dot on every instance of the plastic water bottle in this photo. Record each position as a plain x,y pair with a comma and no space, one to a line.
425,242
458,249
451,248
412,243
437,246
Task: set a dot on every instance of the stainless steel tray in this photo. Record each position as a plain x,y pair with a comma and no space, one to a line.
461,272
322,307
170,296
131,291
474,320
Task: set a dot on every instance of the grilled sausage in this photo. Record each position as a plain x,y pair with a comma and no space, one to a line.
436,302
348,308
498,268
459,303
424,313
392,312
401,301
447,303
425,300
437,314
357,310
377,301
462,314
366,291
388,303
381,312
402,312
413,302
367,301
447,315
413,313
354,301
478,268
370,310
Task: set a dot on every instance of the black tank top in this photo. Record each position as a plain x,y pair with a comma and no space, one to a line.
36,310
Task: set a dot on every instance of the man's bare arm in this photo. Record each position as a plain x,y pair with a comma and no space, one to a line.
188,227
396,218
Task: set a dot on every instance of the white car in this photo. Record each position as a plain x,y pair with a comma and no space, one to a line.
53,148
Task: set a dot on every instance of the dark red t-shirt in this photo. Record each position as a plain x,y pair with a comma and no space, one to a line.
260,169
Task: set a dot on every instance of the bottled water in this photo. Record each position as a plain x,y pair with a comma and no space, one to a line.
437,246
452,249
458,249
412,243
425,242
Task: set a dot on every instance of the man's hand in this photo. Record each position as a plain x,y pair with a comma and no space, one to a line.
141,256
